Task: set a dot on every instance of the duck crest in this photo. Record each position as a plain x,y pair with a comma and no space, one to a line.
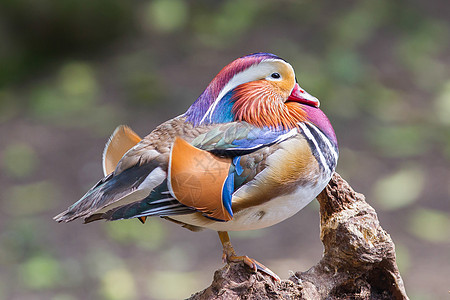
210,97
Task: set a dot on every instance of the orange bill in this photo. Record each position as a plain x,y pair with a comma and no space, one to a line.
196,178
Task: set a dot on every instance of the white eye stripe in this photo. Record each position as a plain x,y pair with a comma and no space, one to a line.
253,73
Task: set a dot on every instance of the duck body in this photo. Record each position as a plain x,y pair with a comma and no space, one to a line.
282,178
253,150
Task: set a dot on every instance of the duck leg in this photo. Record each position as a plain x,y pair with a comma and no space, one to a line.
229,256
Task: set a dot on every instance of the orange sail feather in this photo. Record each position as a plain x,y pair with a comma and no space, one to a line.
196,178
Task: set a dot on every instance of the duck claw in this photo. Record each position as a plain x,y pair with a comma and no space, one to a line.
257,266
253,264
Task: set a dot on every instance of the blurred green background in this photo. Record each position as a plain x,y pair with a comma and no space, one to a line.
71,71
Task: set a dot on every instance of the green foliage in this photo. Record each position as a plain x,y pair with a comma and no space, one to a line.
19,160
63,297
71,100
75,94
430,225
186,284
224,24
149,236
30,199
40,273
400,189
20,239
403,257
9,106
44,30
401,141
167,15
357,25
442,106
426,40
118,284
346,66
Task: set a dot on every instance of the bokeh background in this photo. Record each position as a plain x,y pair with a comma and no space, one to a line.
71,71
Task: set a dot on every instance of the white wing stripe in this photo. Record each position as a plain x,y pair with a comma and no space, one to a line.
162,200
155,211
311,138
327,142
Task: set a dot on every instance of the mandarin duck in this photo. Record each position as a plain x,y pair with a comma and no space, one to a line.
252,150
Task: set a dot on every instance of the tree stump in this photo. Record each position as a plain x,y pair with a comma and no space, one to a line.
358,262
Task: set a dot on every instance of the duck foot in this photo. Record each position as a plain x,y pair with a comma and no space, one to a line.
229,256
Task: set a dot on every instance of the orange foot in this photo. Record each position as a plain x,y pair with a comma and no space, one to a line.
229,256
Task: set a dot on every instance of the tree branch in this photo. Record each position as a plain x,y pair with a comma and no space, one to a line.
358,261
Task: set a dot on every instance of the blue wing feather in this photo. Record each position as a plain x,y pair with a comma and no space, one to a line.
237,165
240,138
227,193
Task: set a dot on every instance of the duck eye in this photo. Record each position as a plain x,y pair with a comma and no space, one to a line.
275,75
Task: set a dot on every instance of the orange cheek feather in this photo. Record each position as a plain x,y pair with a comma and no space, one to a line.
260,103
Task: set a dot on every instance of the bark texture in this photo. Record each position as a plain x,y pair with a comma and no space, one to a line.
358,262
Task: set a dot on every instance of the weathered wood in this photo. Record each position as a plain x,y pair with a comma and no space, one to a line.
358,262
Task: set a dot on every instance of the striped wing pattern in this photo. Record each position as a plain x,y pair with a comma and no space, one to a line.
232,140
159,203
239,138
322,148
108,191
